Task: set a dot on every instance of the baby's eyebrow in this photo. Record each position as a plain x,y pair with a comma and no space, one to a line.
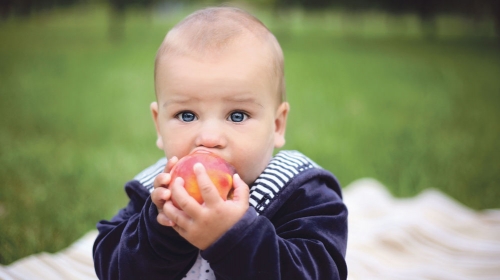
179,100
243,99
232,98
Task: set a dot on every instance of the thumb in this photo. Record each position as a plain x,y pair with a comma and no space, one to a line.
241,189
170,164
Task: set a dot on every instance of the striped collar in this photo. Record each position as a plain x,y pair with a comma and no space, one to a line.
280,170
148,175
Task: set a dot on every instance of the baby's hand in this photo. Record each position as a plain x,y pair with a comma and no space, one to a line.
161,193
202,225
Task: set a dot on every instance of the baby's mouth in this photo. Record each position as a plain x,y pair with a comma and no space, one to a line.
207,151
201,151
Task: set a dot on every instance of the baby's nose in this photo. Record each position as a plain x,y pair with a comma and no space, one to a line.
211,135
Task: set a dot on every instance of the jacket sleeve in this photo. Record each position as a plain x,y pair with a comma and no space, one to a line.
133,245
305,238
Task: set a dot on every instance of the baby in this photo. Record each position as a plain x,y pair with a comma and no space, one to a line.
219,83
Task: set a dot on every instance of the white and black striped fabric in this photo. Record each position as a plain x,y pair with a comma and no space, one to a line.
148,175
280,170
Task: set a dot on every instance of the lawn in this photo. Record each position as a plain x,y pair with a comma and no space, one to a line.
75,122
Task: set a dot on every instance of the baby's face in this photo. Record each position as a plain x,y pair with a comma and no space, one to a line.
227,105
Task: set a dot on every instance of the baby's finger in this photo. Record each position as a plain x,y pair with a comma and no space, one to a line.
175,215
159,196
241,190
208,190
183,200
170,164
162,180
164,220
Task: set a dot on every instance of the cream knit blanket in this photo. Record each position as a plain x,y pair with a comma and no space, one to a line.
429,236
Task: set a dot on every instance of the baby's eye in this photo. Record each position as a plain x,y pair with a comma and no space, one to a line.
238,116
186,116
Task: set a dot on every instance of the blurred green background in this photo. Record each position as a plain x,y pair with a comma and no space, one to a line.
407,95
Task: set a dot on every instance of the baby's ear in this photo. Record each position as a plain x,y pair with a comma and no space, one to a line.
154,112
280,124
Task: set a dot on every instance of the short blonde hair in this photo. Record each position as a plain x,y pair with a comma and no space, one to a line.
211,29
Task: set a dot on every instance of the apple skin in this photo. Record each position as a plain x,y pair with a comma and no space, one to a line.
220,173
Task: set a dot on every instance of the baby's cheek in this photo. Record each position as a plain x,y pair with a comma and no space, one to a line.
251,173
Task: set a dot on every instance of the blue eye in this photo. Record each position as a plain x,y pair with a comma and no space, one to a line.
238,116
186,116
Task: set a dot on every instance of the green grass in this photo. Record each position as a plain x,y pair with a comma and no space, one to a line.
75,122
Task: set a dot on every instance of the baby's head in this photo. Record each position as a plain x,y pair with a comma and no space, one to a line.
207,34
219,85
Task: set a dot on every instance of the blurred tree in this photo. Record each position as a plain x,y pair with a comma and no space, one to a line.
396,23
116,19
306,4
23,7
5,8
117,15
496,15
27,7
426,11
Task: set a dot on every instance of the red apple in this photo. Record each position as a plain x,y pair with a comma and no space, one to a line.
220,172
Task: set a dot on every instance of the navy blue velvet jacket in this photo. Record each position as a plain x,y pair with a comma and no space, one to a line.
296,228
